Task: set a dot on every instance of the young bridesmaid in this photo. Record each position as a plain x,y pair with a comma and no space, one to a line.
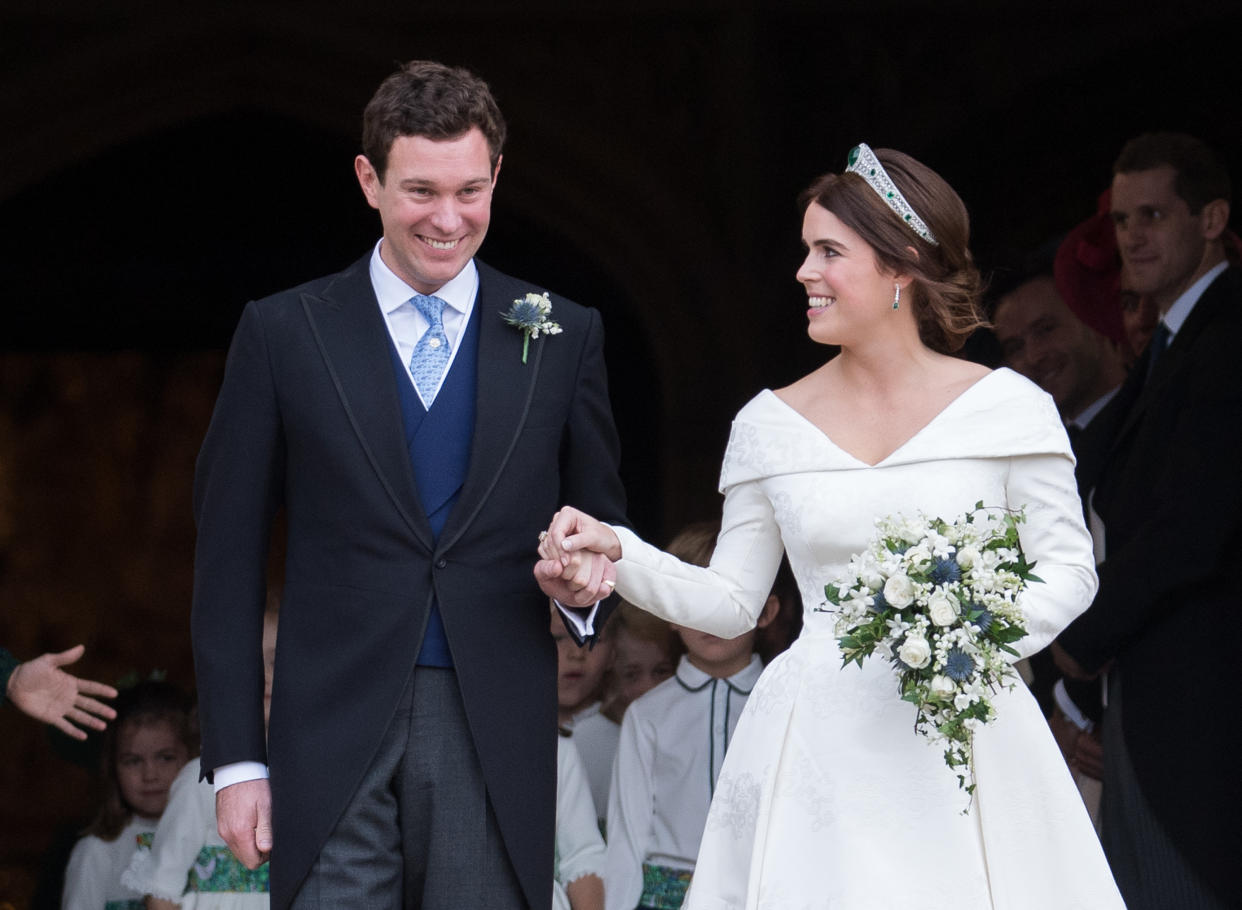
188,865
150,741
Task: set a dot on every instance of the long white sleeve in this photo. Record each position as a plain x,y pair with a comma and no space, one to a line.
1055,538
725,598
179,838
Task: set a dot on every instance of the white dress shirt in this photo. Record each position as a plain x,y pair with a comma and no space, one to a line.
406,325
1178,313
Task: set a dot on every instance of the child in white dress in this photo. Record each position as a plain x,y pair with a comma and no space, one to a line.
673,741
187,863
150,741
577,881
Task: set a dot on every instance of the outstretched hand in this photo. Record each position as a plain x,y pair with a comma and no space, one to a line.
576,559
43,690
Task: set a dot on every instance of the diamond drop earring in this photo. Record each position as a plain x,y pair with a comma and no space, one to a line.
896,296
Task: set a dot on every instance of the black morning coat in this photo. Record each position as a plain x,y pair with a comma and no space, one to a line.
308,419
1163,457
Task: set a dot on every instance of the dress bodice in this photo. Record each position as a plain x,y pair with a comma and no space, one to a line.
826,780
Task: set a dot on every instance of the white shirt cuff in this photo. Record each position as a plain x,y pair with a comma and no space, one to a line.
583,625
238,772
1069,709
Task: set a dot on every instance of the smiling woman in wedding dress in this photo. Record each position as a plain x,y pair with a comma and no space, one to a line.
827,798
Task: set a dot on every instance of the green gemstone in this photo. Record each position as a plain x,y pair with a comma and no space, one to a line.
853,157
907,218
872,172
890,195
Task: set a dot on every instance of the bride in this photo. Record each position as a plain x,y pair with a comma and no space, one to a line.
827,798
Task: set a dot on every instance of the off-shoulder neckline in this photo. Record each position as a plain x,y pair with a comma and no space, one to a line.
935,419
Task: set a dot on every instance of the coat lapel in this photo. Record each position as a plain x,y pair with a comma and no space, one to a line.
1174,360
505,390
353,339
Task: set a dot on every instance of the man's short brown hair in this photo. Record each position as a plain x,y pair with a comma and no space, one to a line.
429,99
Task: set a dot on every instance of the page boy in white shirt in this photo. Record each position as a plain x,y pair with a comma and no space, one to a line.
673,741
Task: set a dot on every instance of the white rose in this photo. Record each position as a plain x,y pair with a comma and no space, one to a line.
915,652
910,531
942,686
967,557
899,591
919,555
942,608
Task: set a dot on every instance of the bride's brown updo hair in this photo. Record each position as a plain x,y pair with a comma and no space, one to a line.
946,285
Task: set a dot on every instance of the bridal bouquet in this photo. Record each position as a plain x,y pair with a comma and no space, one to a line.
939,600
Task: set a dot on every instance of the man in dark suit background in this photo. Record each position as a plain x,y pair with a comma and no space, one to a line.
417,444
1044,340
1169,492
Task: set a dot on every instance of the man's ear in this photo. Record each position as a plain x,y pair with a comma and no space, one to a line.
368,179
1214,218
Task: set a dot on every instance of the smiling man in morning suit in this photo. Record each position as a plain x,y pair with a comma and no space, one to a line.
417,449
1169,491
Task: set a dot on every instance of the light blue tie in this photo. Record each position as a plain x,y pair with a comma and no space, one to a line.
431,354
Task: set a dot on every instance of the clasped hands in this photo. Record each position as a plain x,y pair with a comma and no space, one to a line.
577,557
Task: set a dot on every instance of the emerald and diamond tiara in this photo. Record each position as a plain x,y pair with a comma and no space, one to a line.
865,164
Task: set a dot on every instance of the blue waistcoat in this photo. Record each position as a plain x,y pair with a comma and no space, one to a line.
438,441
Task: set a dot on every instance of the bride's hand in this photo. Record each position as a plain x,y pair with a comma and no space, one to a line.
576,558
572,532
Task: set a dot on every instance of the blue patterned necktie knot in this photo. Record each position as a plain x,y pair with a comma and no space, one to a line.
431,354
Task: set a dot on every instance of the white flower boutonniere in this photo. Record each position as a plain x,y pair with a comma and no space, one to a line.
530,314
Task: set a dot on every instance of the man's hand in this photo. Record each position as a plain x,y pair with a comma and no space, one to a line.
43,690
591,577
1082,748
1088,755
244,820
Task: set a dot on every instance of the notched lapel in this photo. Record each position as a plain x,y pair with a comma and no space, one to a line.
354,341
505,390
1177,356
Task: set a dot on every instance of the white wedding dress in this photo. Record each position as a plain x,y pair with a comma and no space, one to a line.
827,798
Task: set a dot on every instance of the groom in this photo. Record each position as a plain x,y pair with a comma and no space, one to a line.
416,446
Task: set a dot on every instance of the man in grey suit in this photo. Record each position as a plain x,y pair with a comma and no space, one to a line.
417,443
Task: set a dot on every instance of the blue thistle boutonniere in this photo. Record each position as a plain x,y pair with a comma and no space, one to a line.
530,315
